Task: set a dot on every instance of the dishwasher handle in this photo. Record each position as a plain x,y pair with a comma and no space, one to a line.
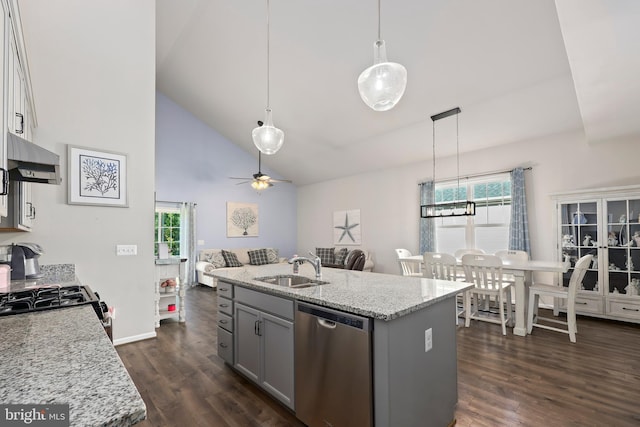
330,318
326,323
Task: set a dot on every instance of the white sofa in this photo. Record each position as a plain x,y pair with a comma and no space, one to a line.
211,259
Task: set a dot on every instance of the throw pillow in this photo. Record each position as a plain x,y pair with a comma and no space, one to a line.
272,255
231,259
327,255
206,256
258,257
341,256
217,259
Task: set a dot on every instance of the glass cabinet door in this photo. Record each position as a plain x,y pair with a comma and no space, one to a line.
579,228
623,247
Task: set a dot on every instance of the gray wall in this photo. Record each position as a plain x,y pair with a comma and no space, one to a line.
194,163
93,73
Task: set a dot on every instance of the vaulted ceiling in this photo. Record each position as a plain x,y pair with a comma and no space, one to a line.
519,70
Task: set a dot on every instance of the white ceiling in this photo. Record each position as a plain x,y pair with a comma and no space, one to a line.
519,70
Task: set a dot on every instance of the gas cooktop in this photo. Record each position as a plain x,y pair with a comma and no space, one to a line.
48,298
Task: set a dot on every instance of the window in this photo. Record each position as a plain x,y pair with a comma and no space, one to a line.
167,229
489,228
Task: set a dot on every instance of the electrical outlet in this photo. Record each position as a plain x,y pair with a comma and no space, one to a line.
200,242
126,250
428,340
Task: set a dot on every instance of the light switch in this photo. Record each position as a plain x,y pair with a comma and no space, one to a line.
126,250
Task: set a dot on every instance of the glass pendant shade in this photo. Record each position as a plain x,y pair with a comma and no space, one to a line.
382,85
268,138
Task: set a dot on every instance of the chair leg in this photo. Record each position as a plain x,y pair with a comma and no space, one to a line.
510,307
503,321
533,303
571,323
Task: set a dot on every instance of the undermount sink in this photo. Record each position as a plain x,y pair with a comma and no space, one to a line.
291,281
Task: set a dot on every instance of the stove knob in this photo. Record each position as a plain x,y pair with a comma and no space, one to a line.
103,306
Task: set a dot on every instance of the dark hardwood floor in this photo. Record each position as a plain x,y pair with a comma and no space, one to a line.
539,380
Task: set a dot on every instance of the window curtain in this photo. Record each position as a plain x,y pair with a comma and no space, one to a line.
519,226
427,225
188,240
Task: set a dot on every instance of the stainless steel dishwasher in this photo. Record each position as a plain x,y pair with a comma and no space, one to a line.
333,367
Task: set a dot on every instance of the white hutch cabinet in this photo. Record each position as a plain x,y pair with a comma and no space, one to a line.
605,223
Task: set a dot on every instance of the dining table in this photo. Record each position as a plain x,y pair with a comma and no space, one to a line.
522,272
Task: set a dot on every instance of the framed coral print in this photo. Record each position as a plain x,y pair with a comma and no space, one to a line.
96,177
242,219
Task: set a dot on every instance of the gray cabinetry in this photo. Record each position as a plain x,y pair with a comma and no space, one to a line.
225,322
263,341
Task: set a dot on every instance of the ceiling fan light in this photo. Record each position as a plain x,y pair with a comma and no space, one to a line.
382,85
259,185
268,138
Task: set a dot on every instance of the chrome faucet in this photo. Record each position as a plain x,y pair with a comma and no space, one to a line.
315,261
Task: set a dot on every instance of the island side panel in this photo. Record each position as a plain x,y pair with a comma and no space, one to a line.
413,387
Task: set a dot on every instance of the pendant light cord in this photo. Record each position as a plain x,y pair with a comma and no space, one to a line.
458,156
378,19
268,53
433,125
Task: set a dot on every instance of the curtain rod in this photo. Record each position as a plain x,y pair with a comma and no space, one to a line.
168,201
477,175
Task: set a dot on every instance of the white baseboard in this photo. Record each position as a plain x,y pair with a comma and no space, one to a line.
134,338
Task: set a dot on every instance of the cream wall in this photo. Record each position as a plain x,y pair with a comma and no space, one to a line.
93,73
388,199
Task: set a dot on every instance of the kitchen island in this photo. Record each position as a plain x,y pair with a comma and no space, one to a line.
64,356
413,340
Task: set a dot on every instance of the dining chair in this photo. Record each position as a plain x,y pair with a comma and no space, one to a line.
403,253
437,265
408,267
513,255
569,293
485,272
461,252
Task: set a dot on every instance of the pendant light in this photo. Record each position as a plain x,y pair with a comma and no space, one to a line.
268,138
447,209
382,85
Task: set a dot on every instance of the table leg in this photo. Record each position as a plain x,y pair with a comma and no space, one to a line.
522,300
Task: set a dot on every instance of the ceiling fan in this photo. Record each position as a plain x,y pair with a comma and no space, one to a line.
259,181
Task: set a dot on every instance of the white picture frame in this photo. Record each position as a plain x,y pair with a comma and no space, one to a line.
242,219
96,177
346,228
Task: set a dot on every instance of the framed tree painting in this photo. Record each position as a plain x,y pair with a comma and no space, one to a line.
242,219
346,227
96,177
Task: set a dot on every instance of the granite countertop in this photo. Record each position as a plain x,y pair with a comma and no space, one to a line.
64,356
375,295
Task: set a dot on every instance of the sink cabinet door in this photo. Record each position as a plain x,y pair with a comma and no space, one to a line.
277,357
247,341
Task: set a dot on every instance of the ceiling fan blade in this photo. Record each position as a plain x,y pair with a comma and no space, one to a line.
243,182
279,180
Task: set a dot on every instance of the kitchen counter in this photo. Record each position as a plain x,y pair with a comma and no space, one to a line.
375,295
412,342
64,356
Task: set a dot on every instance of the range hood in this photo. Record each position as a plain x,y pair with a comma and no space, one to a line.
31,163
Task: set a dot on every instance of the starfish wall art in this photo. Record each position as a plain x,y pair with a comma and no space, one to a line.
346,227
